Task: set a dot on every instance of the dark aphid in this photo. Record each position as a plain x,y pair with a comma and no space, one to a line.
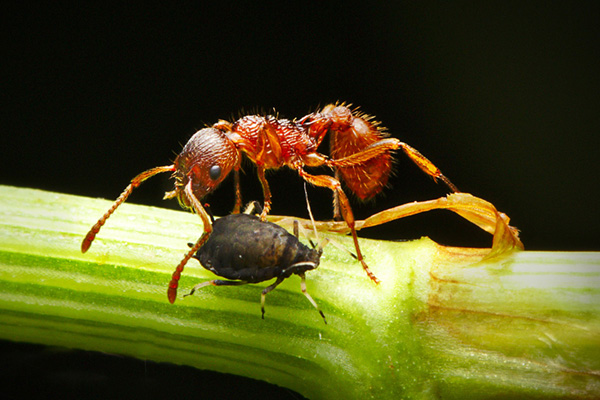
247,250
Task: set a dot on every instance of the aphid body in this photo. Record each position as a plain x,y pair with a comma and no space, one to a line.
243,247
247,250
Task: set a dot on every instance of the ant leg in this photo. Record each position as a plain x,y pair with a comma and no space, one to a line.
210,215
197,206
337,216
426,166
238,192
135,182
382,146
263,295
346,210
266,192
309,297
215,282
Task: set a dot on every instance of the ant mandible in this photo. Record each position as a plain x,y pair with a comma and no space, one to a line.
360,155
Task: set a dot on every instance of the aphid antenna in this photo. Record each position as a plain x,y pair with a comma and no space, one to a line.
310,214
326,240
253,208
339,247
300,230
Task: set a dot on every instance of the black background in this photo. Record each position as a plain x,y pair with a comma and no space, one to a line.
504,99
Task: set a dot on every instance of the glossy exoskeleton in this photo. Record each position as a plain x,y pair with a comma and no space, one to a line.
247,250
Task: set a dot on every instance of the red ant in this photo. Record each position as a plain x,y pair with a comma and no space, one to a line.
360,155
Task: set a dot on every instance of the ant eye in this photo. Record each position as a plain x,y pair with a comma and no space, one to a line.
214,172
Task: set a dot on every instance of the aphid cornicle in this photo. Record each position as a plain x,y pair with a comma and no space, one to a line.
247,250
360,157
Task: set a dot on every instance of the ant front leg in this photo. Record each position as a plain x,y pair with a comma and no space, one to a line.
199,209
345,209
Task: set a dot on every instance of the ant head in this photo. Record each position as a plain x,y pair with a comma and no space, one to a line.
206,159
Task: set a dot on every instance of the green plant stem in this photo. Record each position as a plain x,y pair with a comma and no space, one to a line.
441,324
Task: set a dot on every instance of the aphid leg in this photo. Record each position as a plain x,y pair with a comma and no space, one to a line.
135,182
266,193
197,206
215,282
346,210
309,297
263,295
199,286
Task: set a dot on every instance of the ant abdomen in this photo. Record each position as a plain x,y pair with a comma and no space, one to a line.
369,177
